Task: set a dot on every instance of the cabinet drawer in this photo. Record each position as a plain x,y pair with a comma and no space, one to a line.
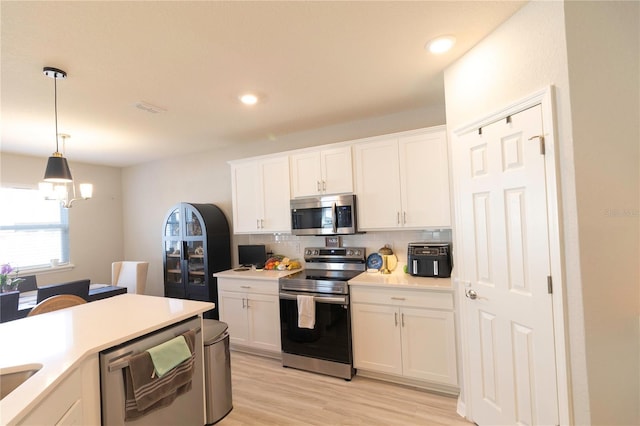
403,297
248,286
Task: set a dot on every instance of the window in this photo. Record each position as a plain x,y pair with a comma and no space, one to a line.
33,231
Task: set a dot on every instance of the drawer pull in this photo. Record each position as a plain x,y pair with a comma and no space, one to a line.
245,286
398,298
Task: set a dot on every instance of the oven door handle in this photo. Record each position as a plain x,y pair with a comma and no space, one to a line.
336,300
335,218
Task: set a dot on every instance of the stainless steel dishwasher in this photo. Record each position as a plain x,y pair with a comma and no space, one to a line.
187,409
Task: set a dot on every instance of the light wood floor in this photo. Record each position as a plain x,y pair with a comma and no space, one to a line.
265,393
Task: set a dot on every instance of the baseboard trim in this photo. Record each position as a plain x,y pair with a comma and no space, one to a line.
443,389
254,351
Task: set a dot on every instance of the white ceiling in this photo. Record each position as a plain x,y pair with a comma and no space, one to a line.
315,63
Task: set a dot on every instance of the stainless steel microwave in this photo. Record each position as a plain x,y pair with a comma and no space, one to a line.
325,215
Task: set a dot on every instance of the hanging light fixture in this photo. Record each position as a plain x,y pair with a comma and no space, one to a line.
61,192
57,166
57,175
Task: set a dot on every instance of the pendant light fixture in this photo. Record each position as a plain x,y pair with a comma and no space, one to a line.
57,167
57,176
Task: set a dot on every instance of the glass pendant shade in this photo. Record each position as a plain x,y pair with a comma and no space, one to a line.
57,169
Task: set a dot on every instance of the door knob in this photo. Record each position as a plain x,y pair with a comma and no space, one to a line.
471,294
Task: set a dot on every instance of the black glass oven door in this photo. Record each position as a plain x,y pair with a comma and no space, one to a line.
330,339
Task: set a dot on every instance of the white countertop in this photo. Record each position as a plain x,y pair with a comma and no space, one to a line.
253,274
399,279
61,340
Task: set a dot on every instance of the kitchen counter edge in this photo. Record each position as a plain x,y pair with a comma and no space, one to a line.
401,280
253,274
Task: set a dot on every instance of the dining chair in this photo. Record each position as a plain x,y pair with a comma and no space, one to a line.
29,284
130,274
55,303
9,306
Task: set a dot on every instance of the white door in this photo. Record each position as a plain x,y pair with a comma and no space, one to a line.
377,176
502,200
428,345
246,197
233,311
274,174
337,171
376,338
305,174
264,321
424,180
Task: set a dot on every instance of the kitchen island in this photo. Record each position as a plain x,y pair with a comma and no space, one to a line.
66,343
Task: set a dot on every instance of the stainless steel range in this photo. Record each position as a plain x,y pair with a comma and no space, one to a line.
324,346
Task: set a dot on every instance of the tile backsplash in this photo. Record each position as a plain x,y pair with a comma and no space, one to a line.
293,246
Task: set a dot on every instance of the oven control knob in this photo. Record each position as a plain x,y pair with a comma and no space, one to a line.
356,252
307,252
349,252
316,252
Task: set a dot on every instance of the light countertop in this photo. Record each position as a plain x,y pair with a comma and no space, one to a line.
253,274
399,279
61,340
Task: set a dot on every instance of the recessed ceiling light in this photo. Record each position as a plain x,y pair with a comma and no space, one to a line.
441,44
249,99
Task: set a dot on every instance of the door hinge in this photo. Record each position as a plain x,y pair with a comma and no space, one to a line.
541,138
549,284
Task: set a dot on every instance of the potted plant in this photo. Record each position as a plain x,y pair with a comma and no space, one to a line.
7,282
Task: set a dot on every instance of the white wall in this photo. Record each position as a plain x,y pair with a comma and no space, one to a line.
149,190
524,55
95,226
603,44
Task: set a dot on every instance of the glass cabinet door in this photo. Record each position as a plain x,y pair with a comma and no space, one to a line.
173,262
196,267
193,227
172,227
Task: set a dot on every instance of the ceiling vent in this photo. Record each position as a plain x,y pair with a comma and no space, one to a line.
152,109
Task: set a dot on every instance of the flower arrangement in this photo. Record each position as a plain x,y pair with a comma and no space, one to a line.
7,282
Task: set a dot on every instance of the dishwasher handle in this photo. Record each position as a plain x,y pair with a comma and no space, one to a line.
123,360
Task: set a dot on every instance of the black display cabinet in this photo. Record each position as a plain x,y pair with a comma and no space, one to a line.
197,244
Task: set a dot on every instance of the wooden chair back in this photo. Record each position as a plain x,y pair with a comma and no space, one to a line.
54,303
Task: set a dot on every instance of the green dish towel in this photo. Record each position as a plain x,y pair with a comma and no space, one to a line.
169,354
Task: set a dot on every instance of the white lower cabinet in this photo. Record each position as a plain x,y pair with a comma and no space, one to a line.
251,309
75,401
409,334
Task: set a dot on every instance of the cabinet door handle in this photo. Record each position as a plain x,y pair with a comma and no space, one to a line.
261,223
257,223
403,319
398,217
324,185
404,218
395,315
398,298
318,186
243,303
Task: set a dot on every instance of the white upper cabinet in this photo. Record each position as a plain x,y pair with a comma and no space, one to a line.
403,181
326,171
261,194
